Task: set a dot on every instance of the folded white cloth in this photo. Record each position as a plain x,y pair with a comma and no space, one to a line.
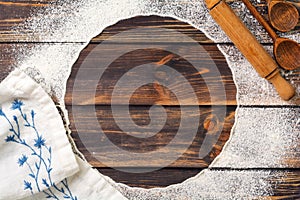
87,184
35,153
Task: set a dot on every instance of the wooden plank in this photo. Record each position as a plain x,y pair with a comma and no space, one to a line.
284,184
157,178
154,21
148,94
9,57
210,60
15,13
287,186
85,132
169,23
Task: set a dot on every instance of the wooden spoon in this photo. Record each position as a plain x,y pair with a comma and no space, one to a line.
283,15
245,41
286,51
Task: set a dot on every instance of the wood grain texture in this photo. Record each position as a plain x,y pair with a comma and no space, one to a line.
211,61
283,15
14,13
7,60
285,184
149,93
152,22
17,12
245,41
157,178
97,146
286,51
9,57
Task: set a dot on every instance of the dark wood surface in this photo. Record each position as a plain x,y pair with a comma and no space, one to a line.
287,184
148,94
139,114
188,165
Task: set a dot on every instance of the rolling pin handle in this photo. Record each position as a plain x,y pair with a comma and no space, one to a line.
284,89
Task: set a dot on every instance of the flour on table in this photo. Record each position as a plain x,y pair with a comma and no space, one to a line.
210,184
81,20
253,90
271,137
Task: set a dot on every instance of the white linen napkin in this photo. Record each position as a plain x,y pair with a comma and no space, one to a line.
87,184
35,153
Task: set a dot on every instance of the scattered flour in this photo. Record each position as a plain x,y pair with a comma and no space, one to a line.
263,142
210,184
262,137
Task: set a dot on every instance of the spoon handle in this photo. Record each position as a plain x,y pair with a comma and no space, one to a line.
249,46
261,19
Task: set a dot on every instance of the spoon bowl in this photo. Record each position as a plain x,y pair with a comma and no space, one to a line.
287,53
283,15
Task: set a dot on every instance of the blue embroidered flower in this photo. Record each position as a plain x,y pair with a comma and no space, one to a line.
22,160
39,142
1,112
41,158
10,138
17,104
27,185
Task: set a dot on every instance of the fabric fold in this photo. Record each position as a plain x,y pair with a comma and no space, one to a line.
87,184
35,153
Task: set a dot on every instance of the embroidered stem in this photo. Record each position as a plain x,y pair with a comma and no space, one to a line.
12,129
48,168
38,168
33,176
51,195
67,187
40,144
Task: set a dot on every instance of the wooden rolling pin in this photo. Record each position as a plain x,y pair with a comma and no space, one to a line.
249,46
